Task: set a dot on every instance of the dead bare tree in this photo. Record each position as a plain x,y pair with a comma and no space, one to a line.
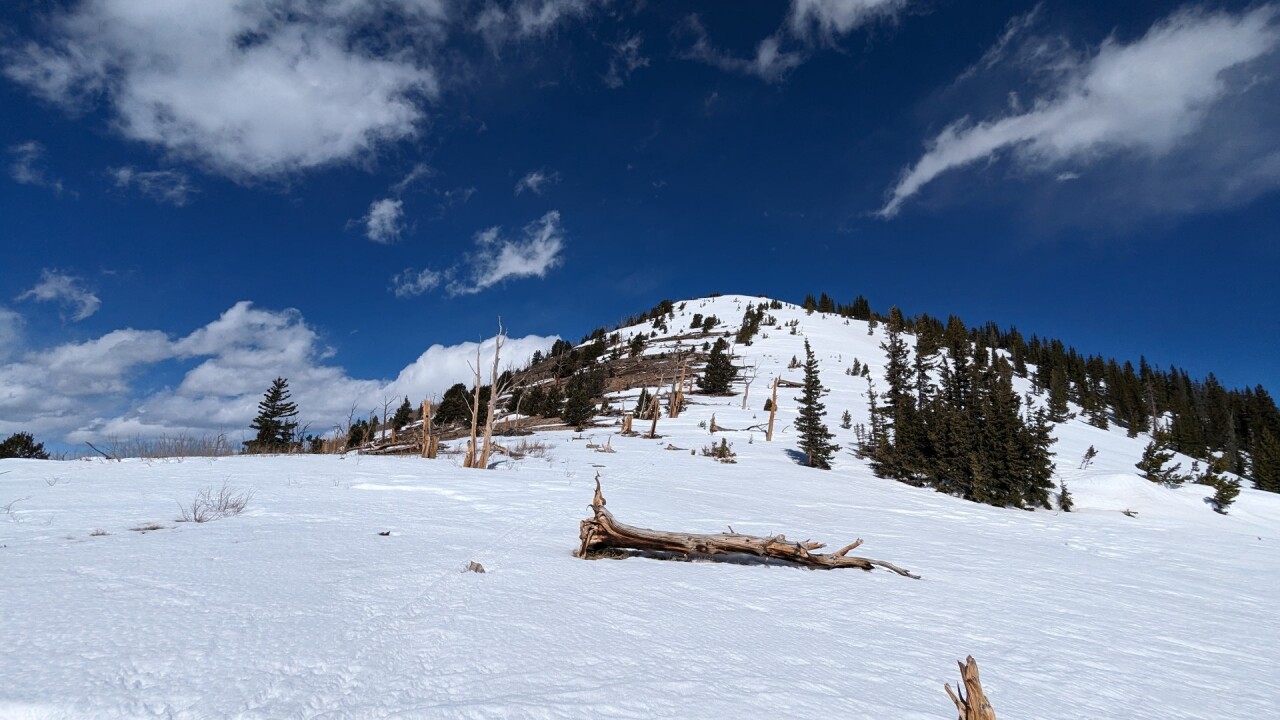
469,460
749,373
657,410
494,391
773,410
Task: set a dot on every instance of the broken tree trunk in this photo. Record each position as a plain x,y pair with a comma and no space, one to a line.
601,534
972,702
773,411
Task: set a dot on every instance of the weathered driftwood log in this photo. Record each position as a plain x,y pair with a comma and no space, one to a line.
601,536
972,702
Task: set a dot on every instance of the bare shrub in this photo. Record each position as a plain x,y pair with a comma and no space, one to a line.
722,452
171,446
530,448
212,504
146,528
98,532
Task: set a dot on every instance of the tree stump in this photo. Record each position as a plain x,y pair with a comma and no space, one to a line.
972,702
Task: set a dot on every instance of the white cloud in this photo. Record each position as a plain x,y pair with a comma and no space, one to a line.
67,290
10,333
626,59
829,18
164,186
412,283
419,172
26,166
441,366
249,90
1141,102
498,258
385,221
89,390
536,181
522,19
809,23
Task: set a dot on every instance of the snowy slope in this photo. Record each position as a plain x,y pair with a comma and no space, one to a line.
298,608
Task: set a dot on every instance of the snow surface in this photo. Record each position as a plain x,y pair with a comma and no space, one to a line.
298,608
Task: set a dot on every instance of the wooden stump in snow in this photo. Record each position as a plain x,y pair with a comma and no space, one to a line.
972,702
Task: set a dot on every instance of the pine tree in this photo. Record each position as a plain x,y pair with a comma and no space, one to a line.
718,375
1065,503
846,420
1225,489
23,445
403,416
1058,411
1154,457
277,420
815,439
1266,462
578,409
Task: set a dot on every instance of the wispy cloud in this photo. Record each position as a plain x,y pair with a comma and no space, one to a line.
163,186
809,24
67,290
421,171
537,181
1152,100
522,19
534,252
384,222
411,283
26,166
625,59
249,90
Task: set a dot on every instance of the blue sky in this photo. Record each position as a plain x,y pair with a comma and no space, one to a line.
201,196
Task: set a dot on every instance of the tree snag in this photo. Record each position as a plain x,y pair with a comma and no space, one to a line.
773,411
972,702
602,536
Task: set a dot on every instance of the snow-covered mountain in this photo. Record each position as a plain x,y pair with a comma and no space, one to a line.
299,607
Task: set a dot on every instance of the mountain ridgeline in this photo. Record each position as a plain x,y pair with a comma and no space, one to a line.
945,413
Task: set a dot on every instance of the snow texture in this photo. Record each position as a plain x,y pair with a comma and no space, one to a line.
299,608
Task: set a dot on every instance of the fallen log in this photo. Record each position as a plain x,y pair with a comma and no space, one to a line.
602,536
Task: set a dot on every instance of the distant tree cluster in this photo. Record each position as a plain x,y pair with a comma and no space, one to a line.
1201,418
969,434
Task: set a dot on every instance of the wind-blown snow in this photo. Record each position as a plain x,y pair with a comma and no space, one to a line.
299,608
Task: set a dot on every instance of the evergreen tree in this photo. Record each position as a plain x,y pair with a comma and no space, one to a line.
403,416
579,408
815,439
1065,503
455,406
277,420
23,445
1058,411
1225,489
1154,457
1266,462
718,375
846,420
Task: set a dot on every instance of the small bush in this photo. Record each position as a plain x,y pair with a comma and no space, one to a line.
722,452
99,532
529,448
214,505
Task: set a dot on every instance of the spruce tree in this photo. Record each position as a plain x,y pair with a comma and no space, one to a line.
815,439
277,420
1058,411
23,445
403,416
718,375
578,409
1266,462
1154,457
